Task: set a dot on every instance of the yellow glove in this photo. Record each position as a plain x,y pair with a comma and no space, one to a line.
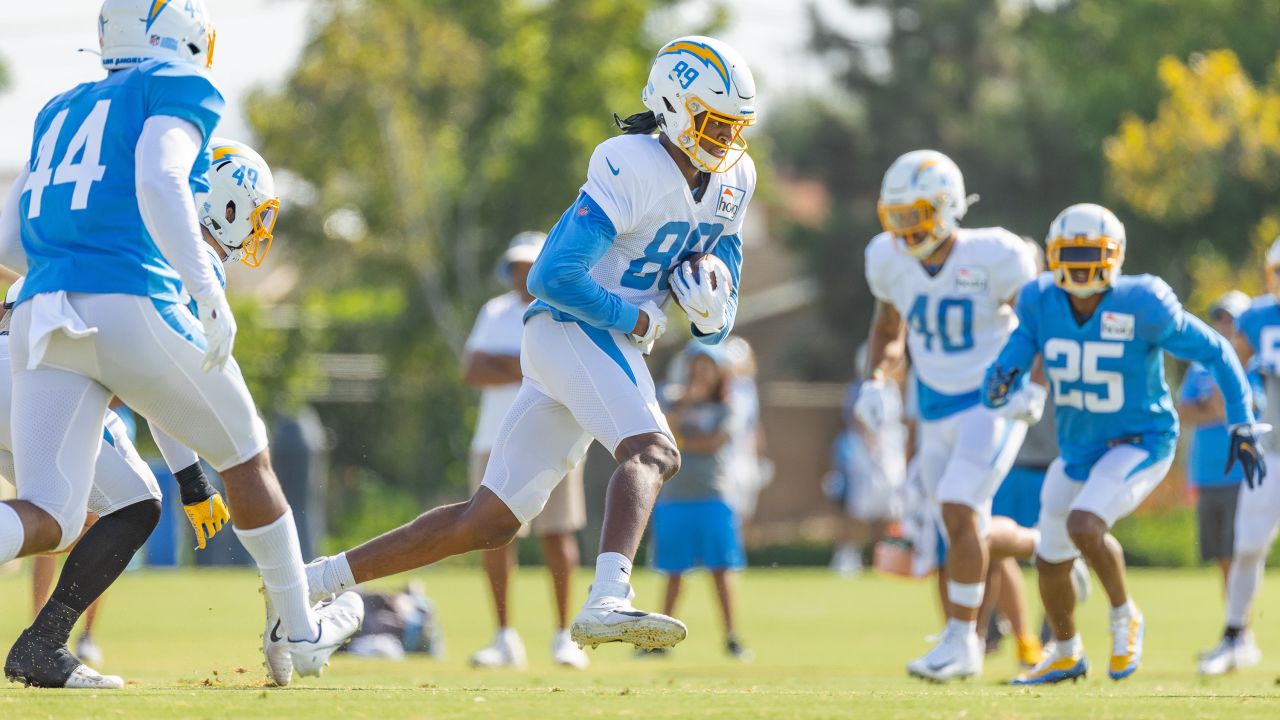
207,517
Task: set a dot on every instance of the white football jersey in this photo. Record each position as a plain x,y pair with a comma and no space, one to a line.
658,221
957,320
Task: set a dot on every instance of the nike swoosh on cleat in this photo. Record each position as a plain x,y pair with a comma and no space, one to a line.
631,613
275,637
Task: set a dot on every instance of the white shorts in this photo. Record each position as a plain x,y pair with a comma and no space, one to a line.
579,383
1117,484
1258,512
72,351
120,477
965,456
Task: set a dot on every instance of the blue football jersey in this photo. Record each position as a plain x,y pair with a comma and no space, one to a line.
1106,374
80,224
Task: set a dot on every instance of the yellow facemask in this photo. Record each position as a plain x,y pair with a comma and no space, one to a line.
692,139
255,247
1099,257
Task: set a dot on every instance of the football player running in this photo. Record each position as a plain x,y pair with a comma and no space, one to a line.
945,293
649,202
1103,336
1258,512
105,216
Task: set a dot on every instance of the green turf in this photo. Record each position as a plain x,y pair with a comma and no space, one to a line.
824,648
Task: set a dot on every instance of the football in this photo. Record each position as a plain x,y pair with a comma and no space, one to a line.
718,270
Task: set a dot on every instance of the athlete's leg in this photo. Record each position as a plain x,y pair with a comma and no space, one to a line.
560,554
499,564
672,596
1055,552
645,462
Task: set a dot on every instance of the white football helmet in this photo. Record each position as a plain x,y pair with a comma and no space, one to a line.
693,75
134,31
922,200
1085,249
241,208
523,248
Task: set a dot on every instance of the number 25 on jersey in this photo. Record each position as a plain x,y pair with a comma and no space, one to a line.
85,145
1068,362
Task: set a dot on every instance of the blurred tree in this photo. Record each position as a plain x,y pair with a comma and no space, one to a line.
1206,165
430,132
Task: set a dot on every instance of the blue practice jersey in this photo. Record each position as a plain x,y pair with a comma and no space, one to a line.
81,227
1210,443
1107,373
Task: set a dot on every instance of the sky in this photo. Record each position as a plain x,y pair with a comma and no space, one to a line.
260,40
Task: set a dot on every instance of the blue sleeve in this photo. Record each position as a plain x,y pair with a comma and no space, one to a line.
184,91
729,250
1197,385
1011,366
1190,339
561,276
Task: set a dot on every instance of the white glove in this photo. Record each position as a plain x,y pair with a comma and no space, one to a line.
657,326
708,308
219,330
1027,404
873,404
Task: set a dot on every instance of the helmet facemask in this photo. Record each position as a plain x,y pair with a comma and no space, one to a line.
694,140
914,218
1084,266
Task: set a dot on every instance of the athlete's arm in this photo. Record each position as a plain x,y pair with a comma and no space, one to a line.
886,341
166,152
1190,339
202,504
561,276
480,369
12,255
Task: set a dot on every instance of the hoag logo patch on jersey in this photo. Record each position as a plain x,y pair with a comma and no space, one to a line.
730,200
971,280
1117,326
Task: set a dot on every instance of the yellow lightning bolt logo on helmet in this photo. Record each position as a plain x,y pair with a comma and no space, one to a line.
156,7
710,58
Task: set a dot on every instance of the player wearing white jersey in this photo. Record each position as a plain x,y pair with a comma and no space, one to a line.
648,204
943,294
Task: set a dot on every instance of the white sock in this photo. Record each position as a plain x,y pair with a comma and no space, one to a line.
1127,610
330,575
968,627
275,548
613,576
11,533
965,594
1242,586
1069,648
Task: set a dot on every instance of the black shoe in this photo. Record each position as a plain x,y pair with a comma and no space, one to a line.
40,661
737,651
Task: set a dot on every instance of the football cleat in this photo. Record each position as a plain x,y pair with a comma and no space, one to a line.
1030,651
566,652
1231,654
506,650
338,621
1126,645
1053,670
274,648
608,619
957,655
39,661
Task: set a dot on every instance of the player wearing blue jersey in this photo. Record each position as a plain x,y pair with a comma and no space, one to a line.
111,238
1103,337
1258,507
648,204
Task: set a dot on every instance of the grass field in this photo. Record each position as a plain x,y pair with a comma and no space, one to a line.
187,643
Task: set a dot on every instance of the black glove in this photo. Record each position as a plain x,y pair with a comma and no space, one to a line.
1244,450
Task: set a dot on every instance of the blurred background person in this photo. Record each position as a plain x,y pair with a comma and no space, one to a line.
869,467
751,471
492,363
1201,411
693,524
